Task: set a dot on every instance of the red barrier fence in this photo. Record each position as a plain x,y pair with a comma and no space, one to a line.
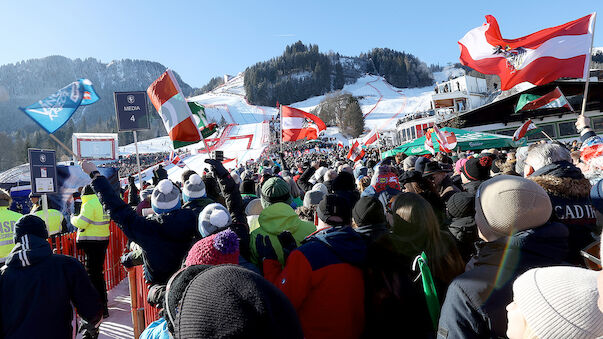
114,272
142,313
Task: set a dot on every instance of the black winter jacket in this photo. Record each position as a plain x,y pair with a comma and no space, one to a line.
464,231
303,180
476,300
570,196
165,238
38,289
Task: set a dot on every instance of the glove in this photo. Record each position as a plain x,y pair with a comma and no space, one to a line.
287,242
217,168
263,246
88,167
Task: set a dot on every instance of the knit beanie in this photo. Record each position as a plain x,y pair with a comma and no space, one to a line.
216,249
30,224
420,164
5,198
228,301
477,168
165,197
194,188
146,193
507,204
275,190
319,174
368,211
213,218
87,190
343,182
409,163
254,207
313,198
320,187
560,302
334,206
461,204
458,166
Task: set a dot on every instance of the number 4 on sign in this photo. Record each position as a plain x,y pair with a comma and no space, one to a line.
132,118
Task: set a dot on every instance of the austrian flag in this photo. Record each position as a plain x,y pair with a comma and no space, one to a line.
538,58
356,152
167,97
298,125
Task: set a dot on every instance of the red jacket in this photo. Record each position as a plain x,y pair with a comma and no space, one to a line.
324,282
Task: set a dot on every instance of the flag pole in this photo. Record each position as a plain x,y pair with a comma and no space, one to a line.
589,58
546,135
137,158
64,146
280,112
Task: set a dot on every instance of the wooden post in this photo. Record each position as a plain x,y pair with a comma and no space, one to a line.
134,302
588,59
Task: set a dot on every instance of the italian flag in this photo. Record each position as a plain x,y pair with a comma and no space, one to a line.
524,129
530,102
167,97
206,128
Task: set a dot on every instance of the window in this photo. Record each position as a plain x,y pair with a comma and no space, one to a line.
548,129
597,123
567,128
414,136
508,132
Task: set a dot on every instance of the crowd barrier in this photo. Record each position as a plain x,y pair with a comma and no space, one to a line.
142,313
114,272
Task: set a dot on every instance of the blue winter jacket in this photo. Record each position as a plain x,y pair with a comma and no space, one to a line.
38,291
165,239
475,305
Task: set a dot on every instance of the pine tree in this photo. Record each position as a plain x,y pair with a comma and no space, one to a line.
339,80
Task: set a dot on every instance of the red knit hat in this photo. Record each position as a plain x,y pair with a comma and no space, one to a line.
217,249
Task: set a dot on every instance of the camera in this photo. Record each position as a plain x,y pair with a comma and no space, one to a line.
218,155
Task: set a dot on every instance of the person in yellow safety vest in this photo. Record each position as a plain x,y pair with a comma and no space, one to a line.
56,221
93,238
8,219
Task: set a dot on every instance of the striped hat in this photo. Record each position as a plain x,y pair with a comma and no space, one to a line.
194,188
165,197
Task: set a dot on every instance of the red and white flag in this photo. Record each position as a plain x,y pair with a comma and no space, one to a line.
356,152
523,130
428,144
447,140
340,144
169,101
175,159
298,124
538,58
371,137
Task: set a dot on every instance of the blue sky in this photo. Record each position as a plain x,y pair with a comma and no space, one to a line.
202,39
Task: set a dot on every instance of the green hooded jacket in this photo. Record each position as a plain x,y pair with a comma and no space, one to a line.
275,219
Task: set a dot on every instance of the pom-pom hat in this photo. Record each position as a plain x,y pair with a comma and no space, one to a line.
165,197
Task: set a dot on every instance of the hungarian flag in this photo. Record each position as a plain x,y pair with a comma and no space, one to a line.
447,140
428,144
524,129
371,137
538,58
206,128
356,152
298,124
167,97
530,102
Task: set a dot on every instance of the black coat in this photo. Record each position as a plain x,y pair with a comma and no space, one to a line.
165,238
303,180
476,300
37,291
464,231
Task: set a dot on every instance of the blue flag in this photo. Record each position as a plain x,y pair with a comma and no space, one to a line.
90,95
53,111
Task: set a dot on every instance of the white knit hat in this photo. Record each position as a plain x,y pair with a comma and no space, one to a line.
507,204
194,188
560,302
212,219
320,187
165,197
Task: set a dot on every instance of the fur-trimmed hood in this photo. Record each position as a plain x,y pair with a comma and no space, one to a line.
562,179
568,188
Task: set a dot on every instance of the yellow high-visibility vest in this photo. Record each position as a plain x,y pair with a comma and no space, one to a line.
8,219
55,220
92,223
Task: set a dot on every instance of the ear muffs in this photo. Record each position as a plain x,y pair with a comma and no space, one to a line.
175,290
